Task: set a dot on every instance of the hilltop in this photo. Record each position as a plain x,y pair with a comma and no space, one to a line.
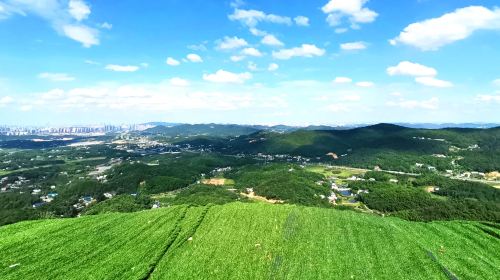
248,241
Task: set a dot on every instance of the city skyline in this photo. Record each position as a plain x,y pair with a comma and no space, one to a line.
249,62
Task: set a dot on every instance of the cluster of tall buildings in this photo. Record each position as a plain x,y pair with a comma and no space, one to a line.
70,130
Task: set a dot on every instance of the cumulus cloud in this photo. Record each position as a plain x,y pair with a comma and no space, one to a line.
342,80
172,62
251,52
433,82
83,34
353,10
78,9
121,68
229,43
65,17
353,46
56,77
194,58
423,74
301,21
273,67
271,40
179,82
222,76
365,84
306,50
432,34
430,104
237,58
251,18
407,68
6,100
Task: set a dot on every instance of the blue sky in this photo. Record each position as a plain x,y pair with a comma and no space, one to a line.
266,62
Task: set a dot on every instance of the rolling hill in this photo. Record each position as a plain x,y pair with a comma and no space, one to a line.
248,241
390,146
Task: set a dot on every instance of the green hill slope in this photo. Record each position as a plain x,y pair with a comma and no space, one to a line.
248,241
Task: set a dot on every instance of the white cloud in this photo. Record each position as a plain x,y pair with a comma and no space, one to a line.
273,67
156,97
306,50
430,104
229,43
432,34
144,65
353,10
271,40
423,74
56,77
251,18
481,97
6,100
172,62
26,108
352,46
179,82
121,68
222,76
65,17
257,32
342,80
433,82
301,21
407,68
106,25
237,58
365,84
194,58
83,34
78,9
251,52
496,82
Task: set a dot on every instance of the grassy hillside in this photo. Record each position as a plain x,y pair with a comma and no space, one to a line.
248,241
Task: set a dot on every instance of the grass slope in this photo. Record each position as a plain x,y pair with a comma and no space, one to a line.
248,241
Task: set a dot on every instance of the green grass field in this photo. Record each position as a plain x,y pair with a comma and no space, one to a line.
248,241
337,171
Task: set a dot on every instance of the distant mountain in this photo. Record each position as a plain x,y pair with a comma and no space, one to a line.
449,125
184,130
168,124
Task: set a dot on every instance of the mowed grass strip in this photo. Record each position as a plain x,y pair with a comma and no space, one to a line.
114,246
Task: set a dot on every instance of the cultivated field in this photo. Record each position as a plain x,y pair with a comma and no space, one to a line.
248,241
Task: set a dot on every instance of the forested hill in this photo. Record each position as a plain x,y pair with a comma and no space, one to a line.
382,144
201,129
